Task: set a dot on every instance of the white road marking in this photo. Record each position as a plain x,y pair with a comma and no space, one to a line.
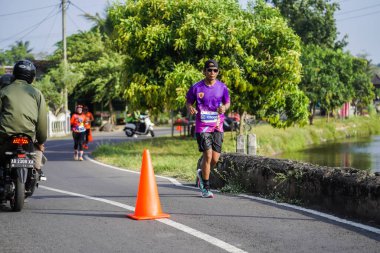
309,211
208,238
114,203
320,214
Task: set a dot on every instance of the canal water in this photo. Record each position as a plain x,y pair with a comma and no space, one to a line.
360,153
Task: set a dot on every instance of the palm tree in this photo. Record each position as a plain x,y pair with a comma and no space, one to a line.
19,51
107,73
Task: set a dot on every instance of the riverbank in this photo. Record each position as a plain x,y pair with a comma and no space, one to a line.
272,141
177,156
343,192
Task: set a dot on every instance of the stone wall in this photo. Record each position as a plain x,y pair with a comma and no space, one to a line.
346,192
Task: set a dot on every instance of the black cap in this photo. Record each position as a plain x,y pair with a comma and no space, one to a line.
211,64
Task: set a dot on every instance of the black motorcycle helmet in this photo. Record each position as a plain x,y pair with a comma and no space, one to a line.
24,70
6,80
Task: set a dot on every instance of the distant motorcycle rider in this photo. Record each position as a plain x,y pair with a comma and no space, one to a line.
23,110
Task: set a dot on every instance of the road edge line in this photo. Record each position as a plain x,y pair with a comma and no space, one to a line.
298,208
186,229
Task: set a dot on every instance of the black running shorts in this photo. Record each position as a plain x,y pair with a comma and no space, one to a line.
212,140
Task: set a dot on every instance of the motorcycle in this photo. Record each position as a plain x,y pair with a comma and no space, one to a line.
18,177
143,126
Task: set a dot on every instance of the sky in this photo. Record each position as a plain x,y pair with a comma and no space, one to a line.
40,23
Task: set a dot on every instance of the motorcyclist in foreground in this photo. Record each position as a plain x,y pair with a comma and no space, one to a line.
23,110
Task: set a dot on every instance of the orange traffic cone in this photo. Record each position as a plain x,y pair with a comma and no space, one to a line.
148,206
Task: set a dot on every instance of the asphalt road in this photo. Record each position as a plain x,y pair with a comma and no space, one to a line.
83,207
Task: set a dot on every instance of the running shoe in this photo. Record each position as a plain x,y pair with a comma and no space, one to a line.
80,158
207,194
76,157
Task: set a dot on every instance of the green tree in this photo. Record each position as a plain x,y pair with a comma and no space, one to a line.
107,70
19,51
330,76
326,78
81,47
53,97
59,78
93,66
362,84
312,20
166,43
93,59
102,78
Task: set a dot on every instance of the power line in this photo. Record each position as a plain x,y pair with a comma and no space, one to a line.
50,32
364,8
80,9
33,27
29,32
38,25
76,6
14,13
359,16
73,21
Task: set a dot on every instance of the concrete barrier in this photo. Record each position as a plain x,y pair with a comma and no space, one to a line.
346,192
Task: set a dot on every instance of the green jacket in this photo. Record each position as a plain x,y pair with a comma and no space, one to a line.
23,110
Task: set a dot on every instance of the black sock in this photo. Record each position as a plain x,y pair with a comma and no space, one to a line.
206,184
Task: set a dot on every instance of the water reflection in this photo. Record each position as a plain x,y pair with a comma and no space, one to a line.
360,153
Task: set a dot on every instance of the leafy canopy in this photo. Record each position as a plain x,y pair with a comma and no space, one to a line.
331,77
95,67
165,44
312,20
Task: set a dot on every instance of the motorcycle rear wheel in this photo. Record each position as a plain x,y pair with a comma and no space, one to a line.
129,132
17,202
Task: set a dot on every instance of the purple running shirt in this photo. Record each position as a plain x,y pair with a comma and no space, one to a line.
208,99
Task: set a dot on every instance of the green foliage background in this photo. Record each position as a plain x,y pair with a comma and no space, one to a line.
278,63
167,42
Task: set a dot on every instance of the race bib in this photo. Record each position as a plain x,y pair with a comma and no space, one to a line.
81,127
209,117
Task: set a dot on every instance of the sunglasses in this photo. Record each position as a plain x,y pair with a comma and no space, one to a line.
213,70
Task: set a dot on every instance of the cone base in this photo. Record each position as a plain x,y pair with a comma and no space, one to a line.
158,216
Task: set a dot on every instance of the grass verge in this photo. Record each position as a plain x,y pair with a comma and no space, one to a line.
177,156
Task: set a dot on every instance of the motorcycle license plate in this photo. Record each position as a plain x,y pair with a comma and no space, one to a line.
22,163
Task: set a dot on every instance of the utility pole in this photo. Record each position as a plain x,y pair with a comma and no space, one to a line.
66,107
65,95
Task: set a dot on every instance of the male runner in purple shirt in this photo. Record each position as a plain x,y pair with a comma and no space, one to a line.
211,100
